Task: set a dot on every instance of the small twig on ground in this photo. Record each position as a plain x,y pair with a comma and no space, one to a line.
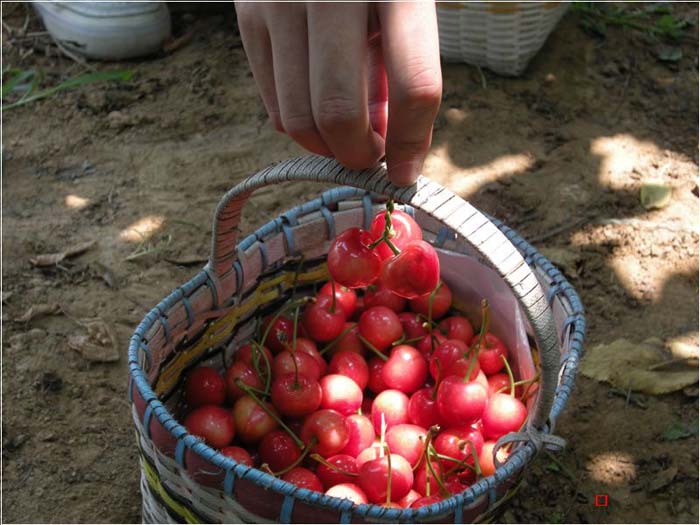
559,229
483,77
664,364
75,58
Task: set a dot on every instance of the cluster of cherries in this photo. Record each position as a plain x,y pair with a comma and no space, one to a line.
368,390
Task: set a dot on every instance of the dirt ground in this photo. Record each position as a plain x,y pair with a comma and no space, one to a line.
560,154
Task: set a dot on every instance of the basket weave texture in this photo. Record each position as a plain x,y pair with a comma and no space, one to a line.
205,320
500,36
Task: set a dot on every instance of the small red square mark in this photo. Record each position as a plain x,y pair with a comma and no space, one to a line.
600,500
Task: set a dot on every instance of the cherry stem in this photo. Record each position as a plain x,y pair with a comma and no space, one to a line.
436,477
294,348
485,322
472,364
460,463
388,232
388,465
412,340
382,435
337,339
333,292
428,438
438,365
373,348
400,341
292,304
257,352
523,382
297,461
331,466
510,375
269,412
477,467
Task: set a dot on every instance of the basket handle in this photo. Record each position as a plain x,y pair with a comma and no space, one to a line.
433,199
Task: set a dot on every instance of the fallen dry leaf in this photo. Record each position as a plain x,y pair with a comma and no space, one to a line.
99,345
6,296
52,259
636,366
39,310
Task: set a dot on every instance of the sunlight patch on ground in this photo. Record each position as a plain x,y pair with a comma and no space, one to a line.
621,155
467,181
612,468
75,202
142,229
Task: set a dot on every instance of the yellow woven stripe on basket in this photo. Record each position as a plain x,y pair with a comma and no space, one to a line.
222,328
550,5
154,482
503,7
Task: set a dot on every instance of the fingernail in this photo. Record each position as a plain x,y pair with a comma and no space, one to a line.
405,173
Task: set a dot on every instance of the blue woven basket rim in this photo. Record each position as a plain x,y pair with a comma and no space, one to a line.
517,460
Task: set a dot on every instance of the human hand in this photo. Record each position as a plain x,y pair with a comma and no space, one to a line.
356,81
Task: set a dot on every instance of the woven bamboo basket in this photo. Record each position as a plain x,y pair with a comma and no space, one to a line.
206,319
500,36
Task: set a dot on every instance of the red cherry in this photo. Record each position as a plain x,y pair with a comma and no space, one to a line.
374,477
295,395
455,443
240,370
407,440
278,450
213,424
441,303
422,408
380,326
405,229
503,414
412,325
350,260
424,478
279,334
457,327
340,393
327,429
307,346
322,321
413,272
304,478
409,498
394,405
252,355
486,463
406,369
204,386
382,296
349,342
352,365
499,381
446,354
344,470
361,434
252,422
426,500
348,491
374,451
426,345
460,402
306,365
376,381
238,454
492,348
344,297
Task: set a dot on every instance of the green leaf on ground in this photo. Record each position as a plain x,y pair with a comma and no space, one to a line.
678,431
655,196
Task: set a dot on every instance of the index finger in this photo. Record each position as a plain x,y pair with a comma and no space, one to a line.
412,55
